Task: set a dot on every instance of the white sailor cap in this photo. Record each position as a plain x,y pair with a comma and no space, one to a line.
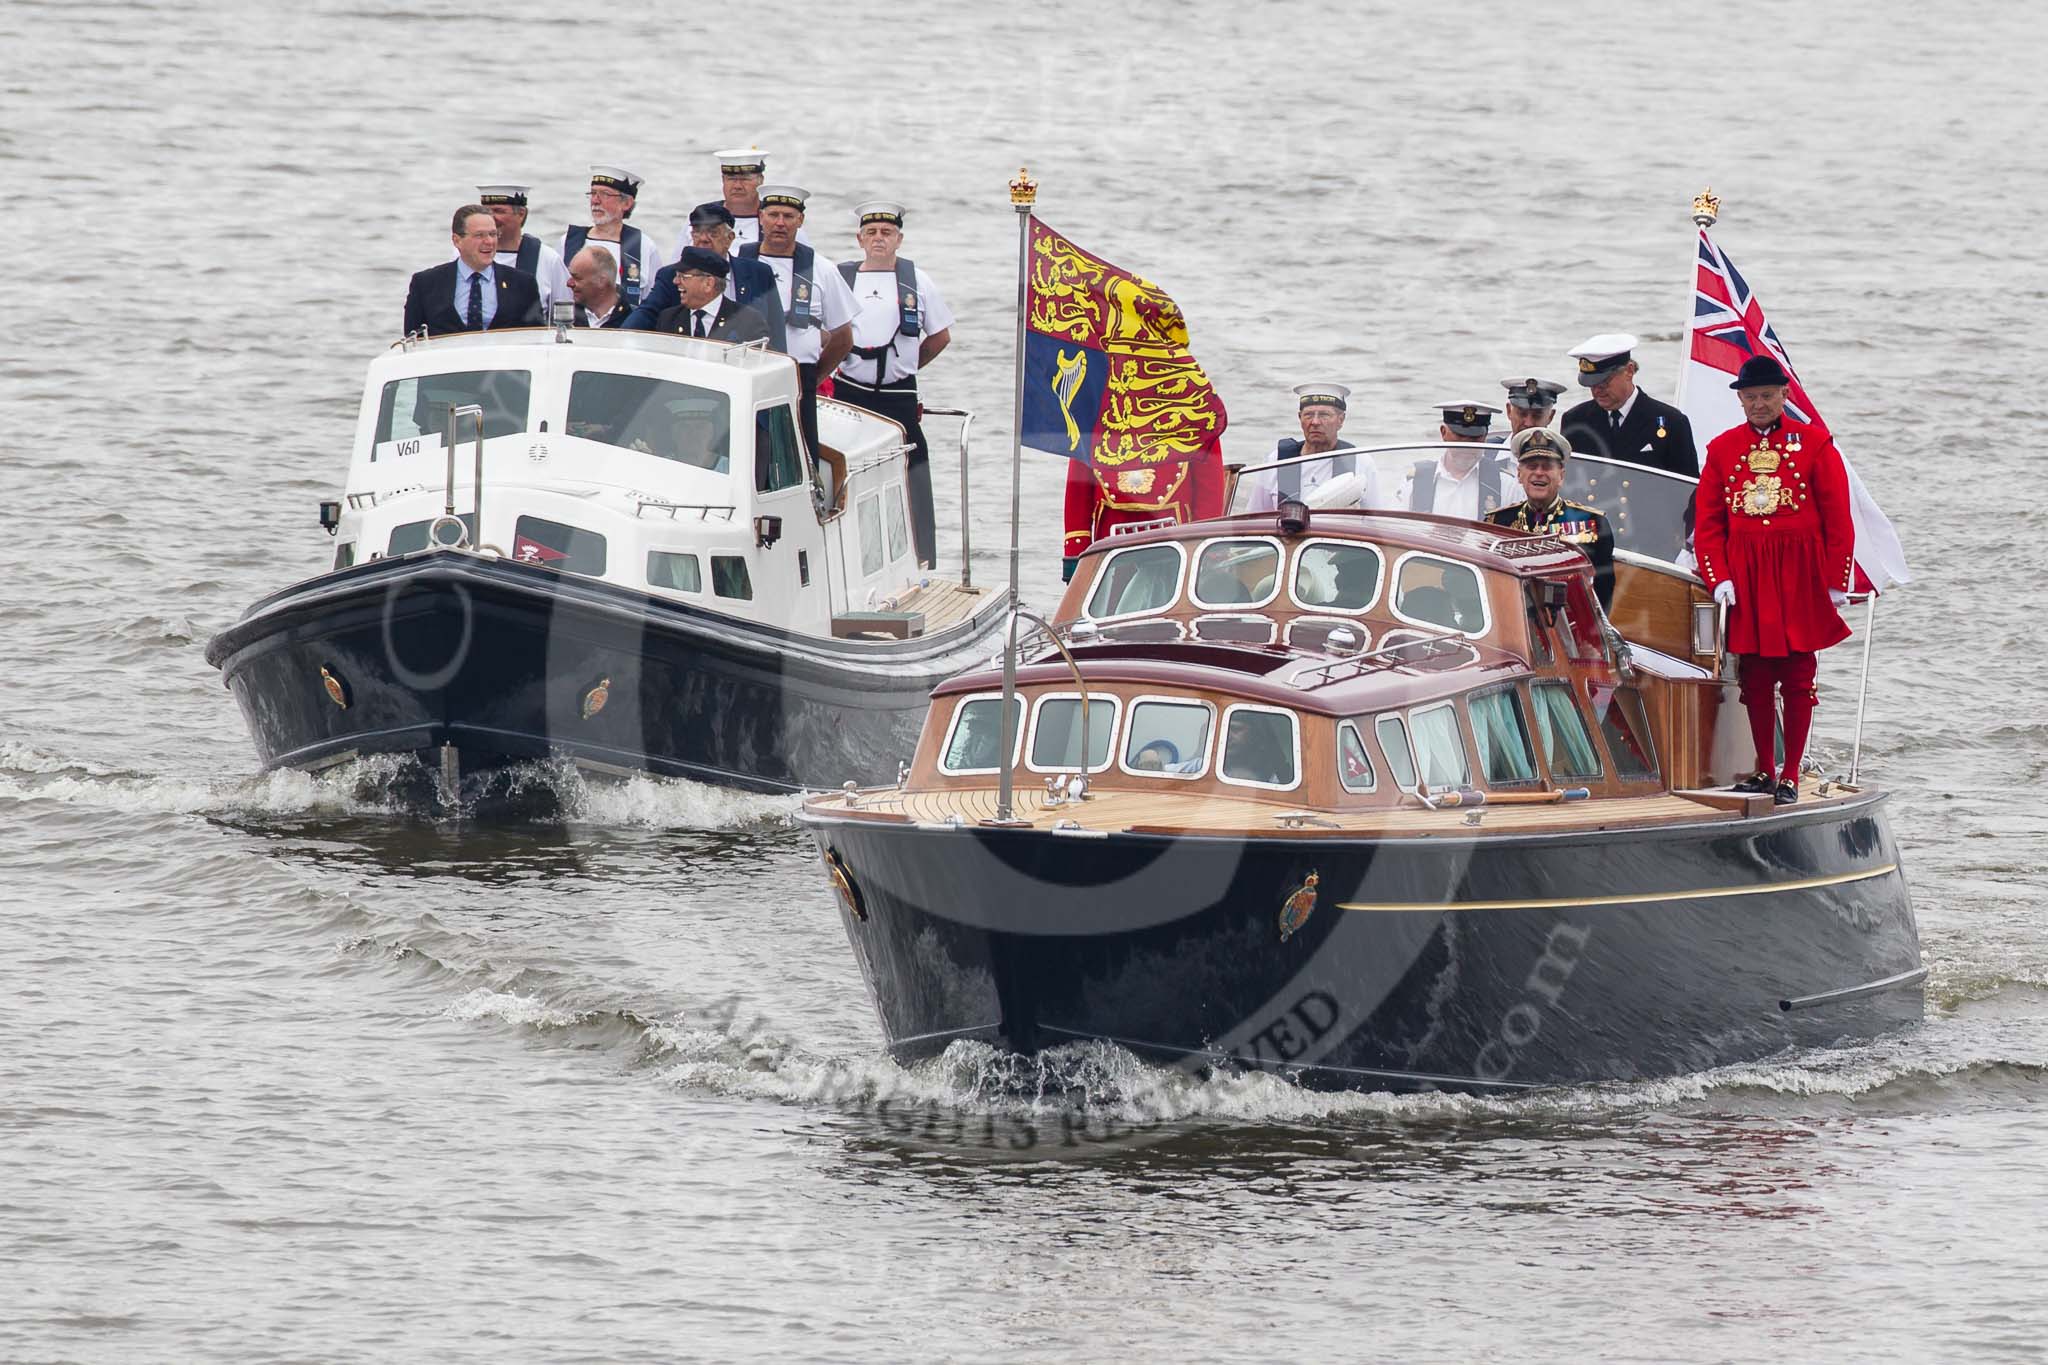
1532,394
789,196
879,211
1328,395
1467,419
1530,442
742,161
514,195
618,178
1601,356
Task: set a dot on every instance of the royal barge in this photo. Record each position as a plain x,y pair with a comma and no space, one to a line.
611,548
1377,801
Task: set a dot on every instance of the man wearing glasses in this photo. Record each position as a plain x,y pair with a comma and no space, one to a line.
751,283
613,192
1620,421
473,292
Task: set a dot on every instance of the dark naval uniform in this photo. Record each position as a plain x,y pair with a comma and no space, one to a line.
1653,434
1576,524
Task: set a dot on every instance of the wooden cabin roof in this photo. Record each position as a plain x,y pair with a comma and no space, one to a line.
1496,548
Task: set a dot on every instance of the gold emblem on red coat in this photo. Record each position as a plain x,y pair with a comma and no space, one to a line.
596,697
1761,497
337,690
1764,460
1299,905
1136,480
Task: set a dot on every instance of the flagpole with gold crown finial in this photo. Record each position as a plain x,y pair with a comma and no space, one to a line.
1023,198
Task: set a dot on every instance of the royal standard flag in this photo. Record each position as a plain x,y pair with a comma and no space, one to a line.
1108,379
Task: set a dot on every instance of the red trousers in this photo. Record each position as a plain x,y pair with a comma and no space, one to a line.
1762,677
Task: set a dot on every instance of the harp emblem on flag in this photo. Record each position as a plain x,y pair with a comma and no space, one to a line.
1069,373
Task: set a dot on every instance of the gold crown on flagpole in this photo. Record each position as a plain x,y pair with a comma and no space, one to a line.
1706,207
1023,190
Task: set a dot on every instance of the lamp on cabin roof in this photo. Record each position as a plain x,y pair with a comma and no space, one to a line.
1293,516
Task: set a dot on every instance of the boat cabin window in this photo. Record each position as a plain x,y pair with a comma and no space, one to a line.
412,536
1335,575
729,578
778,462
658,417
1237,630
1439,592
1439,749
1260,747
567,548
1139,580
674,570
418,406
1567,744
899,527
1056,733
1393,737
1627,731
1498,728
1236,573
975,743
1354,767
874,552
1168,738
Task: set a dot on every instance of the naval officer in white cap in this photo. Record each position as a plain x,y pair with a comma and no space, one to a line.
817,307
613,192
1320,408
900,324
1473,478
740,172
1620,421
520,248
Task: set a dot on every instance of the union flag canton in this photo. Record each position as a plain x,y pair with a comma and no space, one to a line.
1108,377
1727,327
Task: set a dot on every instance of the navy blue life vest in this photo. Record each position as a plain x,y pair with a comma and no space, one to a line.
909,312
629,243
1492,466
804,308
1290,474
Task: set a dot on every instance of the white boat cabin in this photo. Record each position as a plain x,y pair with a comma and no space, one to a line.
663,464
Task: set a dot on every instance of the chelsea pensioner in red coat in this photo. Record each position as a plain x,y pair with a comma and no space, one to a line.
1775,542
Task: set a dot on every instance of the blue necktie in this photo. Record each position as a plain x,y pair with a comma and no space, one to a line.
475,318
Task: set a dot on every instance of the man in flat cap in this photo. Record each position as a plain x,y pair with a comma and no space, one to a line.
900,324
1531,402
1620,421
594,284
750,282
613,192
520,248
1320,409
817,307
702,309
1539,455
471,293
1472,478
1774,540
740,172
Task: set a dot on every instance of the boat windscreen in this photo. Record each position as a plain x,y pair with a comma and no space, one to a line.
418,405
1650,511
658,417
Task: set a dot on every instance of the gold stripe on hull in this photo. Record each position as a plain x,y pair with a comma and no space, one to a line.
1585,902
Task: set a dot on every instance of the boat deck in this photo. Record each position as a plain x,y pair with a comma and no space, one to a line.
1206,814
942,602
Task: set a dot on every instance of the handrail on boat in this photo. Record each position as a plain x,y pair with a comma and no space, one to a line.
966,521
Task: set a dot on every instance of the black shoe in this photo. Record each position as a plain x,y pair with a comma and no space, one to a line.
1756,784
1786,794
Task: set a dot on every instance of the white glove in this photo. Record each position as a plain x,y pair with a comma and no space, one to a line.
1838,597
1724,593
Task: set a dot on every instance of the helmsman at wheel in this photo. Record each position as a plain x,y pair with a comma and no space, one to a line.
519,248
900,324
1540,454
1774,540
817,306
613,192
1473,478
1320,409
1620,421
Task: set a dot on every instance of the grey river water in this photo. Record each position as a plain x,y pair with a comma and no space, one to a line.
288,1074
